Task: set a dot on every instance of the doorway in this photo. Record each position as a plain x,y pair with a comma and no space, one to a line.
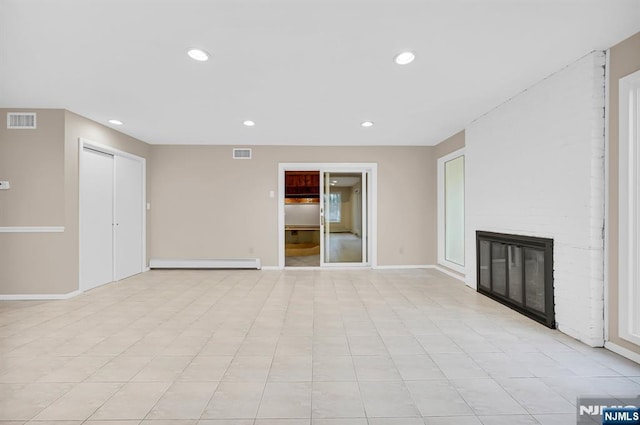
111,215
327,215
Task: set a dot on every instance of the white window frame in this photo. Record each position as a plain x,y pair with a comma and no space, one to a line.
629,209
441,212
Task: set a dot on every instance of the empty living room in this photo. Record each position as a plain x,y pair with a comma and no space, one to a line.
319,212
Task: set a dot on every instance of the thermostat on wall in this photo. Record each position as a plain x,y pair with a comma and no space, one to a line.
4,185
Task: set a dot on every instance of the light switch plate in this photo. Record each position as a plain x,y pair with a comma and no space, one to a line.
4,185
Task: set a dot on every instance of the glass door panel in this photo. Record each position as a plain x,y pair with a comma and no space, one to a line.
344,218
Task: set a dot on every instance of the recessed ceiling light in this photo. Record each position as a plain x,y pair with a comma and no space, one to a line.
334,181
249,123
367,123
404,58
116,122
198,55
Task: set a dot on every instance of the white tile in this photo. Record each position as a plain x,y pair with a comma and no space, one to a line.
375,368
291,369
183,400
206,368
438,398
286,400
387,399
248,369
336,400
535,396
417,367
132,401
234,400
79,403
333,368
486,397
509,420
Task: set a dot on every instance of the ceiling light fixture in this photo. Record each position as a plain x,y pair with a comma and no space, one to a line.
367,123
404,58
116,122
198,55
249,123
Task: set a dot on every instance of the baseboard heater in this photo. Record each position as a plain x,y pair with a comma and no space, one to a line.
229,263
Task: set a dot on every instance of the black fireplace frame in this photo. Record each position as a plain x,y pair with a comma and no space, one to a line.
548,317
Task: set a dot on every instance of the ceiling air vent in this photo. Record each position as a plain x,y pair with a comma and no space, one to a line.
21,120
241,153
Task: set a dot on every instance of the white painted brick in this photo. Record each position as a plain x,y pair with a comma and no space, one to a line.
535,166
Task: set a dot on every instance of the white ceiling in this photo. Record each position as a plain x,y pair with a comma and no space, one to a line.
308,72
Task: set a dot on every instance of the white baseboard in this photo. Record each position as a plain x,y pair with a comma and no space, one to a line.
448,272
624,352
404,266
229,263
39,297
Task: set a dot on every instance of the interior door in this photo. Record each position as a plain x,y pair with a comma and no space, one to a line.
97,195
128,217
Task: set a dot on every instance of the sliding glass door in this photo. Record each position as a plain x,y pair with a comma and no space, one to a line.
343,221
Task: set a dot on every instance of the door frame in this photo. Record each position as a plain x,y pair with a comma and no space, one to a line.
82,143
441,212
336,167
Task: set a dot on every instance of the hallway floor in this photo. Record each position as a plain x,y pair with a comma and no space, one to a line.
295,347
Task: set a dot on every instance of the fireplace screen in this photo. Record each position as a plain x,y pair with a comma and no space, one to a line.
518,272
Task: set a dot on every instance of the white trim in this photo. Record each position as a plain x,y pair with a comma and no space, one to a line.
405,266
443,269
441,212
629,209
624,352
37,297
605,251
32,229
372,201
228,263
341,266
82,143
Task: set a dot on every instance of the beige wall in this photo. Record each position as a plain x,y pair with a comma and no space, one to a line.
33,162
207,205
624,59
42,167
449,145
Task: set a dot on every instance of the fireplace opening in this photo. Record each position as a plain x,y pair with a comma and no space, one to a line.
517,271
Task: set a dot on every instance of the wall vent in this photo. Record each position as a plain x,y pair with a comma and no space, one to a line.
241,153
21,120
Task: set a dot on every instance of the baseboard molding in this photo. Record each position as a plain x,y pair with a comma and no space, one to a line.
624,352
39,297
32,229
229,263
404,266
449,273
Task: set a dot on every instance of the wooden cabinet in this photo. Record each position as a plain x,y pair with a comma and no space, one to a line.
302,184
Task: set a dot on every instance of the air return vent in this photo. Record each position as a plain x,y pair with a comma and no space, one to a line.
241,153
21,120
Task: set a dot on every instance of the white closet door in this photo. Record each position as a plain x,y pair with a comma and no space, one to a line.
96,179
128,217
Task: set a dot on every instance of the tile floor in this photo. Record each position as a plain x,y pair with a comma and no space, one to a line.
305,347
